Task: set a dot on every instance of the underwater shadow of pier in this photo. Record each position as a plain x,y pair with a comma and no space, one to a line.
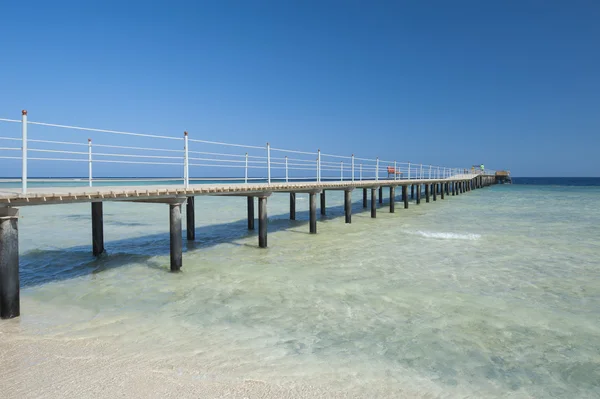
38,267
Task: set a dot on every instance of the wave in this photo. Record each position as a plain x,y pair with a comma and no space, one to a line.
449,236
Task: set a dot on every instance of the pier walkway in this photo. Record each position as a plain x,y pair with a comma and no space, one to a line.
416,181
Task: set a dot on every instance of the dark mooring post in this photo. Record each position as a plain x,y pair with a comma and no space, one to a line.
292,206
250,213
427,193
412,191
418,194
175,235
323,206
313,213
97,229
434,187
348,205
190,218
381,195
262,222
364,197
405,196
392,198
373,202
9,263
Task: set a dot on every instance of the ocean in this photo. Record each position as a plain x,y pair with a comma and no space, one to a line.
494,293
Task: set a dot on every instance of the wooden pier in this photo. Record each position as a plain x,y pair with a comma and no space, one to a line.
176,196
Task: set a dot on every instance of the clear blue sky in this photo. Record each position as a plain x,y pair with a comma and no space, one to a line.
513,84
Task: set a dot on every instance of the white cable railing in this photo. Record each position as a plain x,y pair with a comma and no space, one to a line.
188,159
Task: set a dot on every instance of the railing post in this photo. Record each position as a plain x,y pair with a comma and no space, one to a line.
352,167
430,171
395,169
319,166
286,169
246,170
90,162
341,170
421,172
360,171
409,171
186,163
377,169
24,151
268,163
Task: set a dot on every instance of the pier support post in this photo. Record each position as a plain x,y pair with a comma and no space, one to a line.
9,263
427,193
176,244
381,195
405,196
250,213
392,198
364,197
442,190
412,191
323,206
190,218
313,213
435,189
373,202
418,194
348,205
453,189
447,188
262,222
97,229
292,206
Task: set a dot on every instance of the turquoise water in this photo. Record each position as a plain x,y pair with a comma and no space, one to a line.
494,293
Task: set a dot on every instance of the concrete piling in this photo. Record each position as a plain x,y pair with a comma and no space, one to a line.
392,198
373,202
323,206
250,213
442,190
313,213
97,229
176,244
381,195
427,188
348,205
262,222
364,197
190,218
435,190
292,206
405,196
9,263
412,191
418,194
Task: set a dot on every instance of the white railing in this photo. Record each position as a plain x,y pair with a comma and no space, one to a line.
189,159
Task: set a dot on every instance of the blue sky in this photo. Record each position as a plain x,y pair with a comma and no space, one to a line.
513,84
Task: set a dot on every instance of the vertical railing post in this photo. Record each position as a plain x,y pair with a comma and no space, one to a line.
377,169
421,172
319,166
90,162
395,169
360,172
409,171
24,151
286,169
246,170
186,162
430,171
341,170
352,167
268,163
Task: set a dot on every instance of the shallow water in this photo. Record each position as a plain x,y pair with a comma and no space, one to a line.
491,293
